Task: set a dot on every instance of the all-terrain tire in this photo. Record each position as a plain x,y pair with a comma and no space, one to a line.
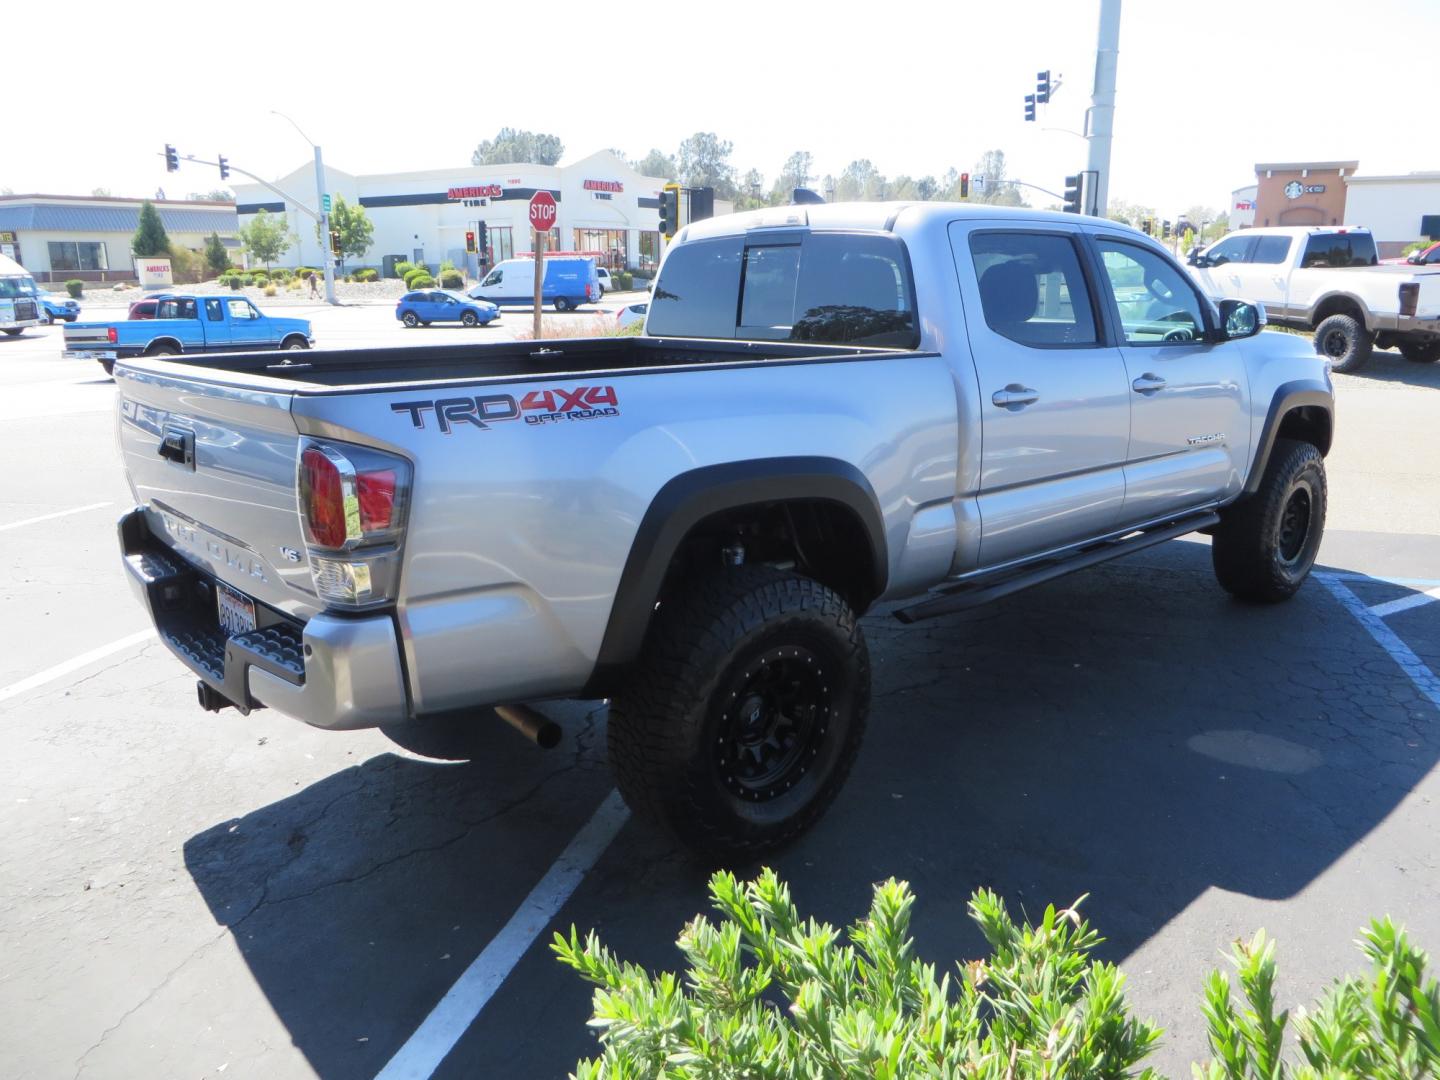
1421,352
1266,543
1344,342
743,659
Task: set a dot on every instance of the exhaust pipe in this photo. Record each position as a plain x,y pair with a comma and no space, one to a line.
211,700
535,726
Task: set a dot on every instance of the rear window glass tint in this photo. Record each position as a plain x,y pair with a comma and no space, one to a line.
1333,250
698,290
1271,250
854,290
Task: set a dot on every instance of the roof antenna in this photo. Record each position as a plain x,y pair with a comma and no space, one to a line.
803,196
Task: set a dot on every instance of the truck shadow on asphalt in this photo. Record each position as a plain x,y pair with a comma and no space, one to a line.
1130,732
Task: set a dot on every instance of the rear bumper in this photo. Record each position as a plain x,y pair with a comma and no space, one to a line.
331,672
89,354
1408,324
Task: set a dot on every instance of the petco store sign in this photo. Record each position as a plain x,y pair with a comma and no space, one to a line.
480,191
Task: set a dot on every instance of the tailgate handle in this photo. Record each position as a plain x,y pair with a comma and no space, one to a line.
178,445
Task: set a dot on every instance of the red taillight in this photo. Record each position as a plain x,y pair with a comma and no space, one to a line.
377,499
322,498
112,335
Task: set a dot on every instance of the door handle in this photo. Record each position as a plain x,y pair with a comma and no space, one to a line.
1148,384
1014,397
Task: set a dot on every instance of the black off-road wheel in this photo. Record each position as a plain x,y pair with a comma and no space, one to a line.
1421,352
1344,342
1265,544
745,714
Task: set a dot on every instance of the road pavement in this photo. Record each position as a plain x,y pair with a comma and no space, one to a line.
195,895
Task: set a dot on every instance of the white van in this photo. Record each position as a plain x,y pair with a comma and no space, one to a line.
569,282
19,298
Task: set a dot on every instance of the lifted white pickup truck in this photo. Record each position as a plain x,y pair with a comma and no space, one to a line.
1328,280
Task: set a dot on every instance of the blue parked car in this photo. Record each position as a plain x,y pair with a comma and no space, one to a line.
59,308
569,282
425,306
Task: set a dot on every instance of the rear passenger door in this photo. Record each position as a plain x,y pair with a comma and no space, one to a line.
1054,395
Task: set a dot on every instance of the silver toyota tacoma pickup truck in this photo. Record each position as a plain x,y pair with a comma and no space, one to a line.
834,406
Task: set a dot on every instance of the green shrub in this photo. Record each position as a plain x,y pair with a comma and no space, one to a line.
368,274
634,329
402,269
452,279
446,265
75,287
270,289
417,272
1418,245
280,274
422,280
1037,1007
232,281
623,279
303,272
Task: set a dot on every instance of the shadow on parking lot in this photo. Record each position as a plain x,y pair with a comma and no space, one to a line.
1130,732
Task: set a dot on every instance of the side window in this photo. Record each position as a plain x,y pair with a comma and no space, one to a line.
1271,250
1233,249
698,290
855,290
1330,250
767,293
176,309
1156,301
213,311
495,277
239,309
1031,288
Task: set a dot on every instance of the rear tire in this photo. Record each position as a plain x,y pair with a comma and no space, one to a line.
1421,352
15,331
1344,342
1266,543
109,367
562,304
162,350
410,319
744,715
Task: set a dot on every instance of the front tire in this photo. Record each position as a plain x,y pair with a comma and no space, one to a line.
1344,342
743,717
1421,352
1265,545
295,344
469,318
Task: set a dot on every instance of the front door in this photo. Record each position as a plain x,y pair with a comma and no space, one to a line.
1189,427
1055,401
217,330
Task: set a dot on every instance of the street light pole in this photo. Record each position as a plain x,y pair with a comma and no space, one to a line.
1102,105
327,257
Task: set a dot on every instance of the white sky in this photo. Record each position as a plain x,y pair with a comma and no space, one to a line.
1206,87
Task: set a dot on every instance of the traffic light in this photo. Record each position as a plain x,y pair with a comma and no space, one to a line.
1148,226
1042,87
482,242
1072,194
1165,230
335,241
670,210
172,159
702,203
224,168
470,241
964,185
1029,106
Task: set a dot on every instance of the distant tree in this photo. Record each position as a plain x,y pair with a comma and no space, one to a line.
860,180
217,259
657,164
215,195
794,173
992,167
618,153
1128,212
704,161
513,145
150,238
7,191
101,192
751,191
267,237
902,187
355,229
927,187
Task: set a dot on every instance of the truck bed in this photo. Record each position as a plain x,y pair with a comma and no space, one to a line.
320,370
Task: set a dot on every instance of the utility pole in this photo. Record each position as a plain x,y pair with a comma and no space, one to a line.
320,198
1102,105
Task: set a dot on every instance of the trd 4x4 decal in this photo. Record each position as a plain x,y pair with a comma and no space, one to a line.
537,407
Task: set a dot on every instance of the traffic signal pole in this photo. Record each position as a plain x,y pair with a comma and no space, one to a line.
1101,118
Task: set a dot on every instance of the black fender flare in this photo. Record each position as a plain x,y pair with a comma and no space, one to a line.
689,497
1296,394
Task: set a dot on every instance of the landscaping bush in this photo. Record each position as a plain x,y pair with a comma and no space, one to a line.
446,265
270,289
422,280
232,281
623,279
303,272
1038,1006
402,269
368,274
452,279
280,274
417,272
75,287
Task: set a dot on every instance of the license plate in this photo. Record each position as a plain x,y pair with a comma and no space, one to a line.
237,613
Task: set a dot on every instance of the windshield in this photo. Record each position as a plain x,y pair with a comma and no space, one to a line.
18,286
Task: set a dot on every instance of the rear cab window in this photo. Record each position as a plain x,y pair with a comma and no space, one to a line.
1332,250
792,285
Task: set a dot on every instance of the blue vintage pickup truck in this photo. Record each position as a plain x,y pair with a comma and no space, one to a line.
186,324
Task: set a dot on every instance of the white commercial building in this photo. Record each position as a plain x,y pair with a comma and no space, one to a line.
1398,209
1242,206
605,208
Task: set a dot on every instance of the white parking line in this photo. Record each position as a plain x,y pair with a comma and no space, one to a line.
57,514
75,663
437,1035
1423,678
1405,603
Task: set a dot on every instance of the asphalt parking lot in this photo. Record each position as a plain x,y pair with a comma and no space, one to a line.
190,895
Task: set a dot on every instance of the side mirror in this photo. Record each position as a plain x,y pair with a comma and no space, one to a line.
1241,318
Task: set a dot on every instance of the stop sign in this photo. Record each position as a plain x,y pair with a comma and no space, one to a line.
542,211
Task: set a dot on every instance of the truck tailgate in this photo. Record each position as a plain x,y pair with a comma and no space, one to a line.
215,466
